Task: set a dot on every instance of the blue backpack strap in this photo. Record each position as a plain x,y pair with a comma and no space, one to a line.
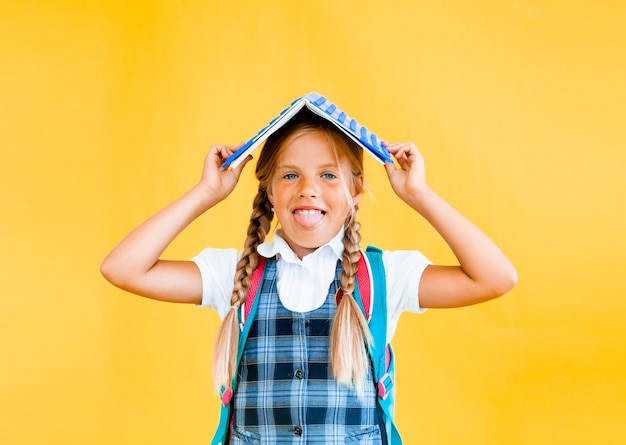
381,352
246,312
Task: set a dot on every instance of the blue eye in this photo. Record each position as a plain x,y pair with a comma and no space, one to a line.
290,176
329,176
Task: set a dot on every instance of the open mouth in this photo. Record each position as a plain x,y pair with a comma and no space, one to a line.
308,217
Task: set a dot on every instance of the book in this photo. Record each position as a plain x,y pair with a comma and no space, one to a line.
326,109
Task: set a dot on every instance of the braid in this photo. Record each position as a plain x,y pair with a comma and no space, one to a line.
260,221
350,332
226,342
351,253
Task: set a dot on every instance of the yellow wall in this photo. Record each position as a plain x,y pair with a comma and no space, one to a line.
107,109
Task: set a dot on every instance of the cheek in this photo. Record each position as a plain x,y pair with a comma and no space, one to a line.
270,193
279,196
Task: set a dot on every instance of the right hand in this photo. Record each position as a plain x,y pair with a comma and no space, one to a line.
216,181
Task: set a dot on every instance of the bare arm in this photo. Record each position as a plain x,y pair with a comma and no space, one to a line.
483,273
135,265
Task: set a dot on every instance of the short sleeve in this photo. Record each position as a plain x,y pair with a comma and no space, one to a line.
403,271
217,268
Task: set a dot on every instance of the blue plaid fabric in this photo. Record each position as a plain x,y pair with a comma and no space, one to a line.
286,392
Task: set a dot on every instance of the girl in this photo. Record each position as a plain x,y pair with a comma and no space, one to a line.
305,376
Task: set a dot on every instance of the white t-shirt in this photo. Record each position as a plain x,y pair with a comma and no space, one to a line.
303,284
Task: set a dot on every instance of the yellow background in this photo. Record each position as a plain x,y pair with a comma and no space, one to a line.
108,107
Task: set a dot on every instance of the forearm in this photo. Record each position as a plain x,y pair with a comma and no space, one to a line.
141,249
490,272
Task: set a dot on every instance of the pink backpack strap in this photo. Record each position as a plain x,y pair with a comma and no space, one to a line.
364,278
255,282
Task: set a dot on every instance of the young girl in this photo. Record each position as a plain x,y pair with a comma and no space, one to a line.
305,375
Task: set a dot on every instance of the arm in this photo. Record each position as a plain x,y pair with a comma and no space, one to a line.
483,273
135,265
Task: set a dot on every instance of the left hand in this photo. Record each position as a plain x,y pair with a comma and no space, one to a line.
408,181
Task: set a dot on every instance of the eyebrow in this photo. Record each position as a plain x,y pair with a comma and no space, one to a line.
295,167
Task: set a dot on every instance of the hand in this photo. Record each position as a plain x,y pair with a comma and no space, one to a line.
408,181
217,181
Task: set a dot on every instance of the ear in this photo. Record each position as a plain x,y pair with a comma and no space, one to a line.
359,186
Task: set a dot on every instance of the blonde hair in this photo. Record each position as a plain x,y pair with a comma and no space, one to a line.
349,332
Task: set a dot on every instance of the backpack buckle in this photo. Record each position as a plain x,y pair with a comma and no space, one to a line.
384,386
227,396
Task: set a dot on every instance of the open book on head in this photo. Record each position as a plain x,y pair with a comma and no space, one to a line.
319,105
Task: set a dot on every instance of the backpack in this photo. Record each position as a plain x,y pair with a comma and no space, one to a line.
370,294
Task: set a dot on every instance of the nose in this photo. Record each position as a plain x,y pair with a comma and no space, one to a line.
308,188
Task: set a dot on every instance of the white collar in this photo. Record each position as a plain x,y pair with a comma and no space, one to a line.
278,246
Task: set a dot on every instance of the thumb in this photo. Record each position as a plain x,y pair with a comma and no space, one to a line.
390,167
237,170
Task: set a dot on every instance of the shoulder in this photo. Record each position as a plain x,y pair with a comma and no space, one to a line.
403,273
217,265
212,255
400,261
217,268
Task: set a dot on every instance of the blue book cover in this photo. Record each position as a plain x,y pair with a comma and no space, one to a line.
326,109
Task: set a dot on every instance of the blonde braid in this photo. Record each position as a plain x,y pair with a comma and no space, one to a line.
227,339
350,332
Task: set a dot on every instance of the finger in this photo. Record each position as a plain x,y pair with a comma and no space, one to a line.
400,152
405,152
398,144
390,168
237,170
395,144
215,153
237,147
228,150
395,147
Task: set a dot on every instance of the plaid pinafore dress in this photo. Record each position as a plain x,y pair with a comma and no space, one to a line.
286,392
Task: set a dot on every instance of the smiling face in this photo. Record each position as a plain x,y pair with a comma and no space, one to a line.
311,192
